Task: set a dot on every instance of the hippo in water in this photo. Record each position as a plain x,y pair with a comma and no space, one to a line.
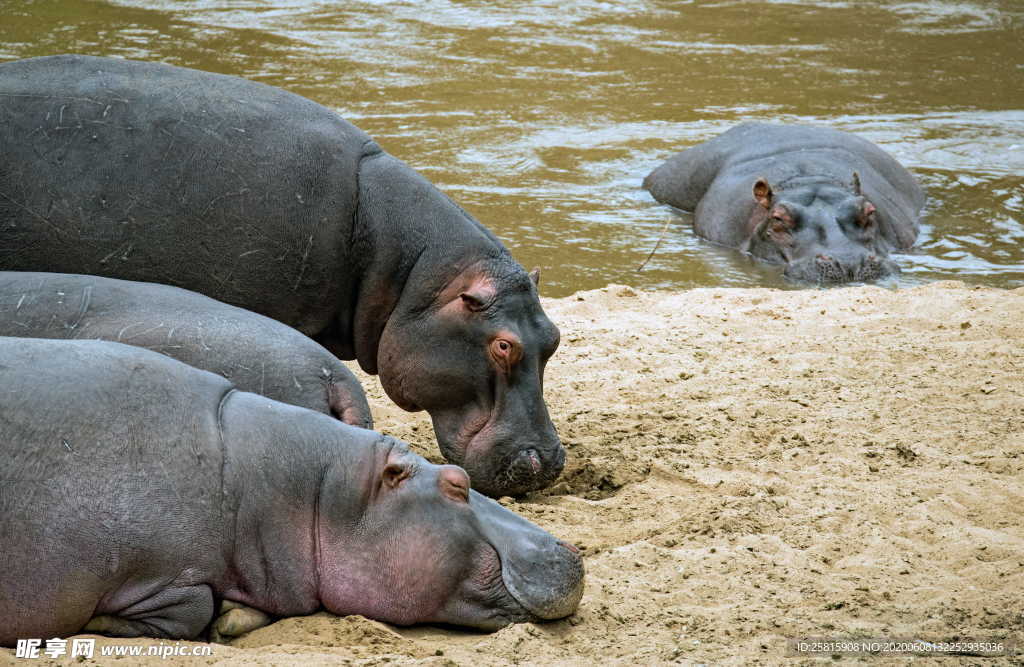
828,205
253,352
137,492
270,202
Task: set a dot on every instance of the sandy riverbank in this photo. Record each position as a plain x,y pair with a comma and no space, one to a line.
747,465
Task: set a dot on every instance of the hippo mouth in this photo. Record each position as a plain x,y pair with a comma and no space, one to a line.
524,471
514,594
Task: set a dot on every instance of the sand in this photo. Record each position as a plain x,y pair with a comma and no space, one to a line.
747,466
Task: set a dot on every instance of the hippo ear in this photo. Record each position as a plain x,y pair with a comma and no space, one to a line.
394,473
478,295
856,184
473,302
535,276
763,192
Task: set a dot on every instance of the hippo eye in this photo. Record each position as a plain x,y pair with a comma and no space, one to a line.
506,352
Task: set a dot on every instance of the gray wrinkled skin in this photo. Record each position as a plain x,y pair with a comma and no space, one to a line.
253,352
827,205
137,493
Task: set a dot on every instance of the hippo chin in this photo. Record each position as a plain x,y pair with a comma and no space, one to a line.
827,205
270,202
138,491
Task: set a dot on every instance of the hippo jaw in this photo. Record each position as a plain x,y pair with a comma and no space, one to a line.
499,460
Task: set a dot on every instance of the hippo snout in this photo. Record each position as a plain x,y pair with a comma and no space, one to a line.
541,572
524,470
553,586
826,269
532,469
505,457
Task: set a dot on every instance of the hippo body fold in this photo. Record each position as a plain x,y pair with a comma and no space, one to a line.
267,201
138,492
253,352
827,204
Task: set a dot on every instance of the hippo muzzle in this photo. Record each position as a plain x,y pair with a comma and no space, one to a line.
522,468
541,572
827,269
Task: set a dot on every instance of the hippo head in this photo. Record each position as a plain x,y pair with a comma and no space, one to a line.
475,361
823,233
427,549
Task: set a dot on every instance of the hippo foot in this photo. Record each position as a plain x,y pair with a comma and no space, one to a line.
235,620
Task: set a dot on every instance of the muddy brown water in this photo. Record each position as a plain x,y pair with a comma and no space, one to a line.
543,117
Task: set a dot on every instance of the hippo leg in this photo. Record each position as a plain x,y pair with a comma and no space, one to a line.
235,620
172,613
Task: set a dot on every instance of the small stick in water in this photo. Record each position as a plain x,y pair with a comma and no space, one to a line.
661,237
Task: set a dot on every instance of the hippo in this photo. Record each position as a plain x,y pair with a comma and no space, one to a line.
138,491
828,205
254,352
267,201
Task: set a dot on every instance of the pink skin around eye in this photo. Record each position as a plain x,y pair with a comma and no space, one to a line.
506,352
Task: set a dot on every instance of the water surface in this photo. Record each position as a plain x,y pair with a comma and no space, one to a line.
542,118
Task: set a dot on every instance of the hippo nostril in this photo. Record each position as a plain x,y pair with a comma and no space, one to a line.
530,458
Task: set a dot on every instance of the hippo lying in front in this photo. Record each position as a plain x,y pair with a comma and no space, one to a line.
828,205
253,352
137,492
270,202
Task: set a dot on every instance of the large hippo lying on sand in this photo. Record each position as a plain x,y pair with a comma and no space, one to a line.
270,202
253,352
136,491
828,205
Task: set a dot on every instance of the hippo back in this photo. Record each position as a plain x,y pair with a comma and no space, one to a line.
253,352
155,173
